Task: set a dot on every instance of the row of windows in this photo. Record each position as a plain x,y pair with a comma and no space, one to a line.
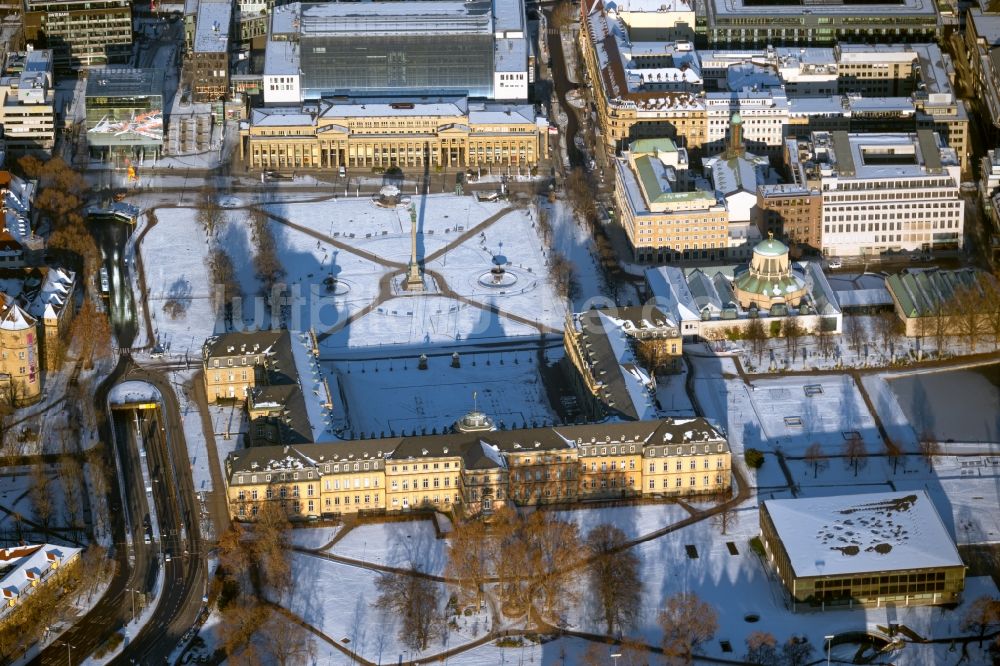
679,482
719,464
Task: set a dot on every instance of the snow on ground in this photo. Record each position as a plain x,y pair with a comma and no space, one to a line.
229,423
671,394
792,420
194,430
313,537
513,238
778,413
412,321
338,601
953,405
571,237
511,392
894,420
15,496
635,521
437,215
308,263
738,585
173,259
410,545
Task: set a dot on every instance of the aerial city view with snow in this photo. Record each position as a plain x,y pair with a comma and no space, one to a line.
483,332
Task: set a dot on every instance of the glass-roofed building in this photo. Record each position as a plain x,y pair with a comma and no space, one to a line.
476,49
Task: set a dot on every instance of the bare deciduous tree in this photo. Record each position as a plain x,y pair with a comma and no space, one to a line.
210,213
968,314
613,573
793,332
981,616
762,649
92,332
286,643
687,622
854,453
797,651
894,452
414,600
266,263
468,557
71,480
40,495
824,340
757,337
930,448
815,458
855,332
552,544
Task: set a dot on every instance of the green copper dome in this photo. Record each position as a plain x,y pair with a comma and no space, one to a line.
771,248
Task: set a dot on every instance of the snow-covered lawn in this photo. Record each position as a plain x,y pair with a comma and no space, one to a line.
409,545
337,599
407,324
789,413
173,259
952,406
393,396
739,585
313,537
635,521
15,495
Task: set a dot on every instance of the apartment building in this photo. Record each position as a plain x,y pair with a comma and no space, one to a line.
365,133
886,192
480,471
206,66
80,34
27,111
666,217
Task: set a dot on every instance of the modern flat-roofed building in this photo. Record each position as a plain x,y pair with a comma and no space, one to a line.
889,191
125,112
82,34
861,550
207,63
27,112
786,23
440,47
413,132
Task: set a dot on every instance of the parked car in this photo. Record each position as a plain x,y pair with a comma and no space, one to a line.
834,263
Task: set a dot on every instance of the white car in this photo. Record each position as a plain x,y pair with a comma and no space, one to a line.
835,263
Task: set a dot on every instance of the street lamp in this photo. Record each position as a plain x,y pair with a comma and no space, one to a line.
829,645
615,653
69,653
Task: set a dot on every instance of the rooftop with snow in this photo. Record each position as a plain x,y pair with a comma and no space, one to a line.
847,534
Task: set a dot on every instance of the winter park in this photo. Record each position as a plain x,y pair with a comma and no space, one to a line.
499,332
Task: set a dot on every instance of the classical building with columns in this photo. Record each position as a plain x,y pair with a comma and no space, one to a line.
445,132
